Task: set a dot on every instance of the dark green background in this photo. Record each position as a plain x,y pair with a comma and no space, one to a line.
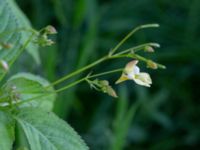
168,117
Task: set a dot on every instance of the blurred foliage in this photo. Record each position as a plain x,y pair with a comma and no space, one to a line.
165,116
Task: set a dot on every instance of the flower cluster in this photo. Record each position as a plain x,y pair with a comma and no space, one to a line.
42,38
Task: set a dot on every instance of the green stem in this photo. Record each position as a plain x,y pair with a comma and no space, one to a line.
130,34
138,57
105,73
20,51
23,47
135,56
78,71
88,77
81,80
136,48
110,54
70,85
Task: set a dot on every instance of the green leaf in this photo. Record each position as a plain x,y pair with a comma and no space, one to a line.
25,86
6,131
13,19
45,131
21,142
31,48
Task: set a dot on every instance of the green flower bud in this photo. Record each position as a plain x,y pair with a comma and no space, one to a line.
104,82
111,92
151,64
149,49
50,30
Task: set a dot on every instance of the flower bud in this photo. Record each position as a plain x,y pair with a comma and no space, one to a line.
49,42
111,92
103,86
4,65
50,30
151,64
44,41
149,49
104,82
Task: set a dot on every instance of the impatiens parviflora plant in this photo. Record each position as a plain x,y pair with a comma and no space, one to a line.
26,100
25,95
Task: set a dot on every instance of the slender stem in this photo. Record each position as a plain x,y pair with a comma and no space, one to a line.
69,86
136,48
130,34
23,47
138,57
145,60
78,71
105,73
20,51
81,80
110,54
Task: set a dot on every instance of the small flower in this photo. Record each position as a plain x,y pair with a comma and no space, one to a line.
132,72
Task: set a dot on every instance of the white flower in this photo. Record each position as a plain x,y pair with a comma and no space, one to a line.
132,72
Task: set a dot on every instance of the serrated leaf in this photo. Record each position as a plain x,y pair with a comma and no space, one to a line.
27,86
31,48
6,131
45,131
13,19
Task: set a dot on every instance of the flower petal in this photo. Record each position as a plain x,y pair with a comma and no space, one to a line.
130,66
121,79
136,70
143,79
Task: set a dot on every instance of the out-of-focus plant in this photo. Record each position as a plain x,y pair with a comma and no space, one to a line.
26,100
